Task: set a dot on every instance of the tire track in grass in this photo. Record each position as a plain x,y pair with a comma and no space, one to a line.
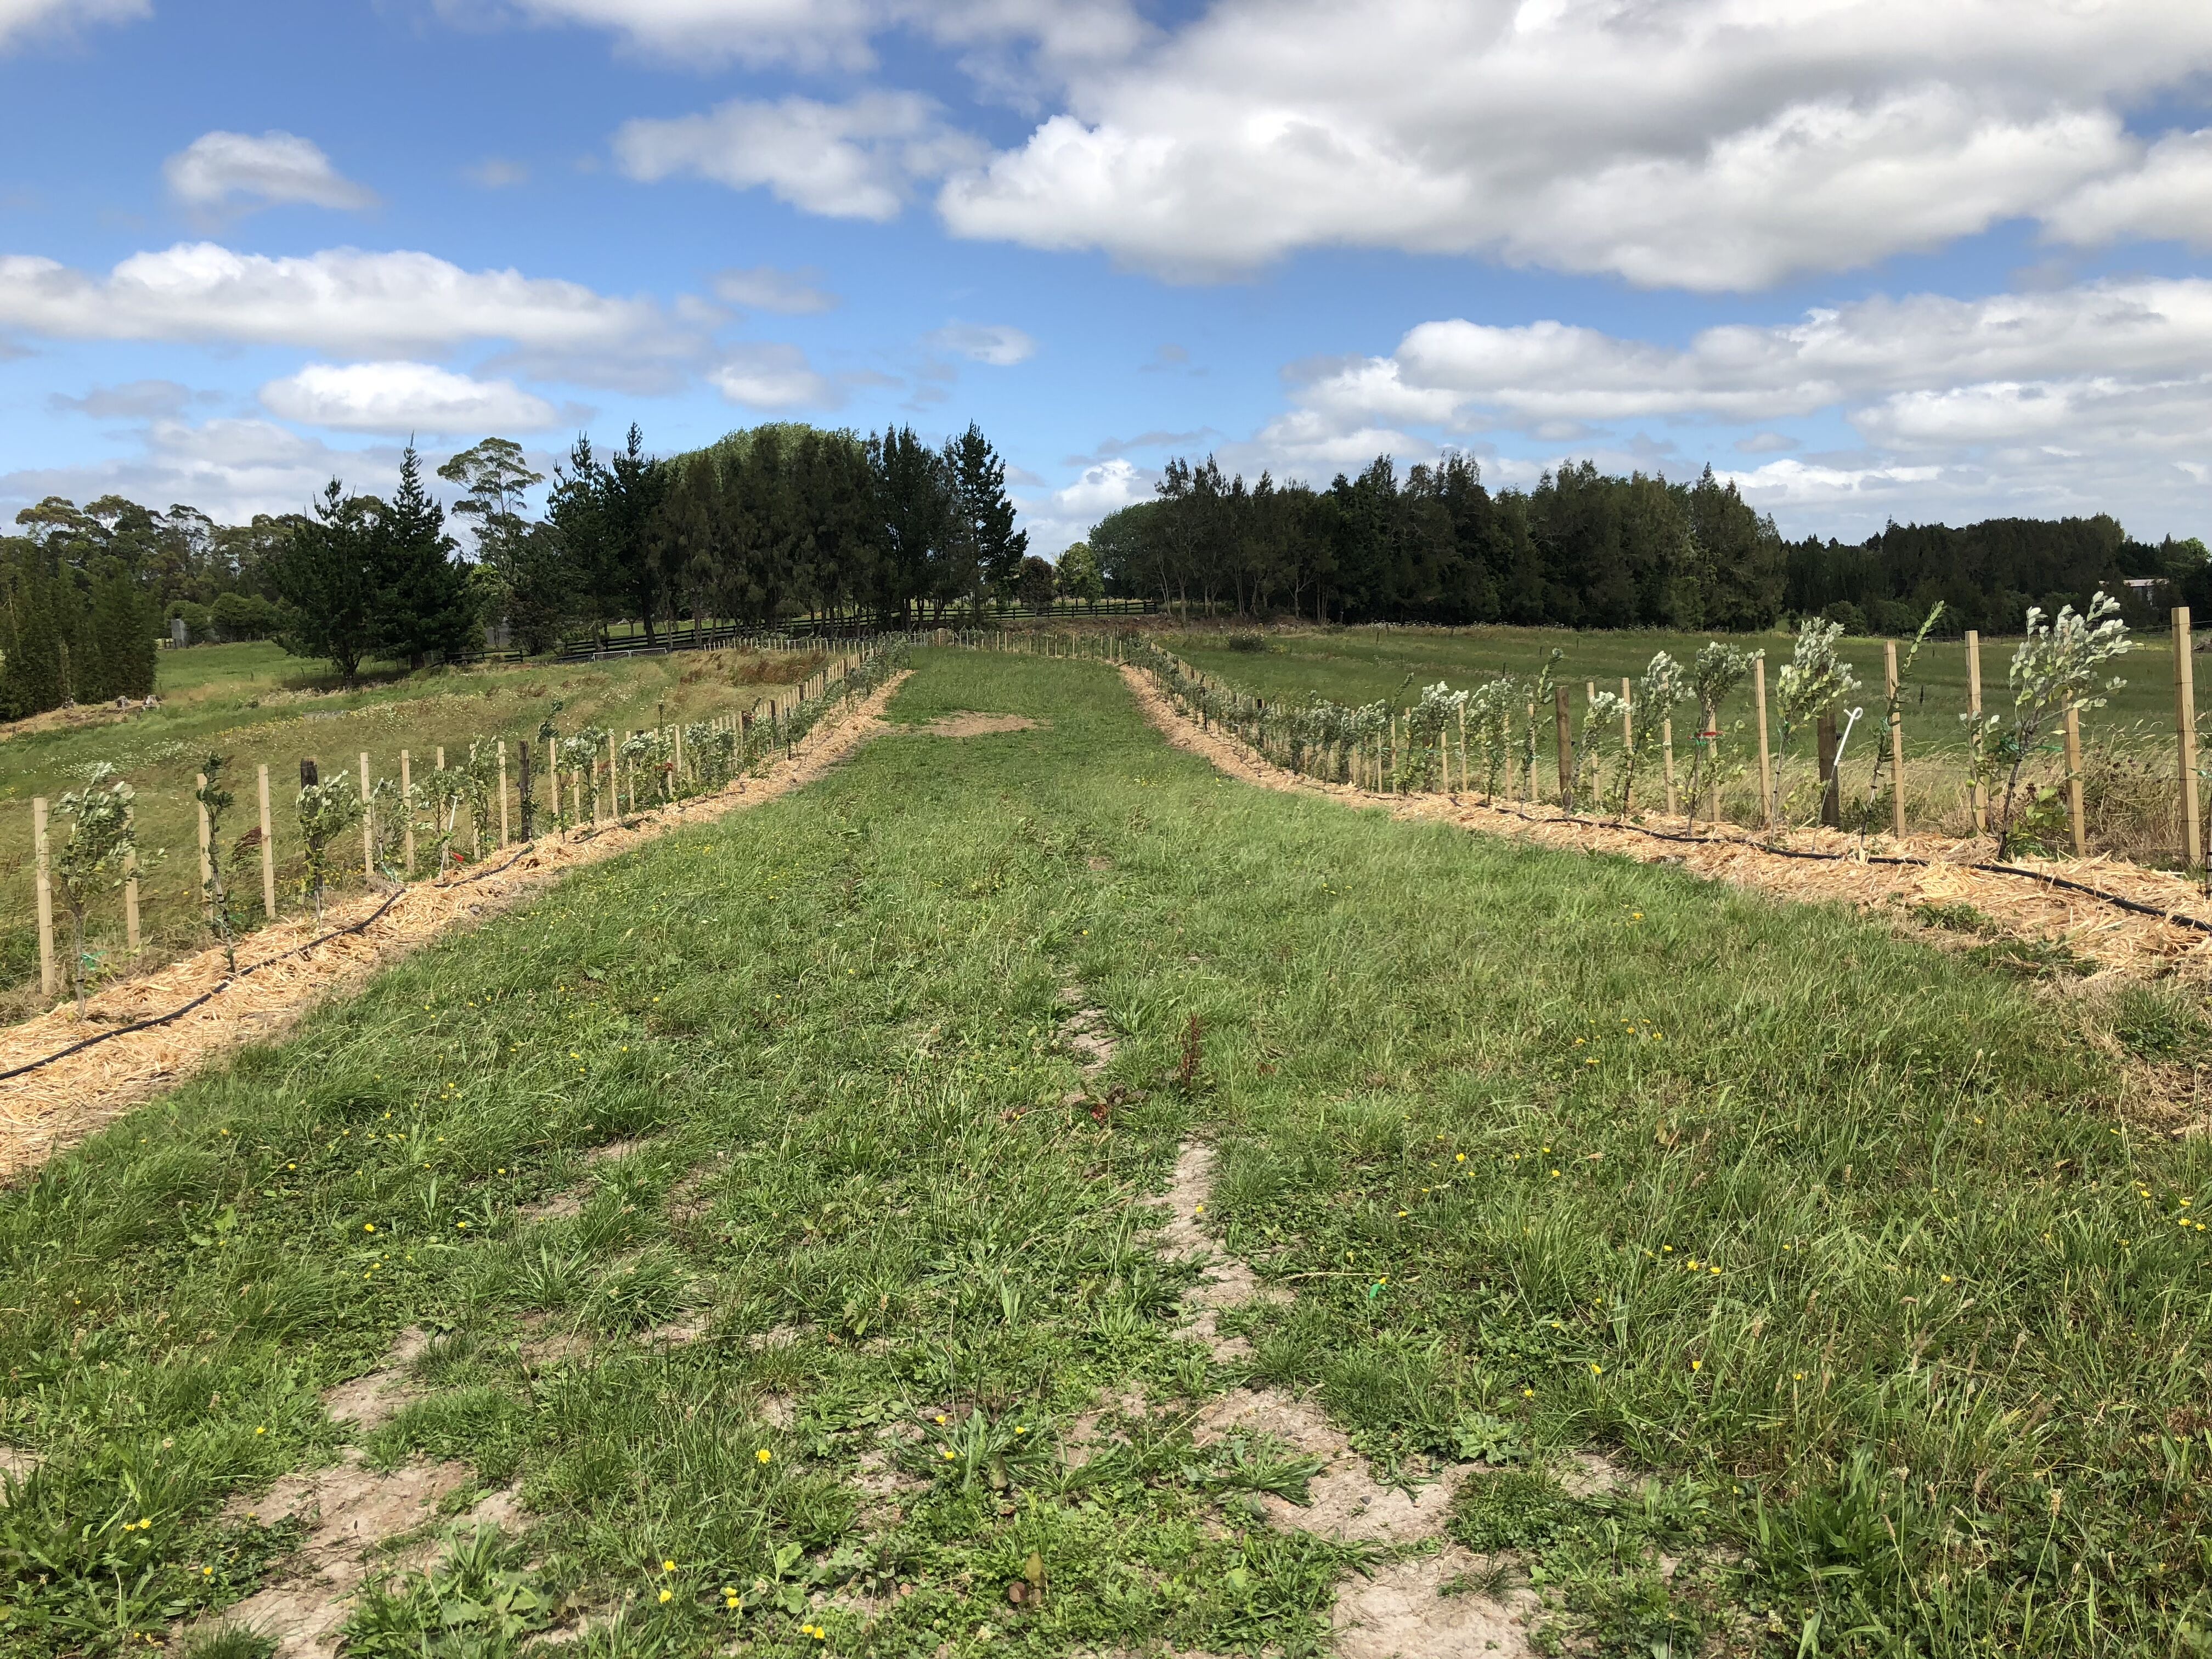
1406,1607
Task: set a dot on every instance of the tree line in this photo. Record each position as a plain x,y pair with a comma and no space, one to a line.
1582,550
779,522
786,519
1585,549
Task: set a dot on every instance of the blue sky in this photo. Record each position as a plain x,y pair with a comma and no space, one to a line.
1874,258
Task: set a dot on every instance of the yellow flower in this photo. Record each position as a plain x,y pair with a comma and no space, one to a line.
1459,1157
763,1454
668,1566
368,1226
1597,1370
263,1429
947,1455
1697,1364
668,1596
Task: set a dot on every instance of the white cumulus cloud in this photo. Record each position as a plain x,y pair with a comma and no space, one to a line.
2096,397
350,303
1710,144
840,33
857,160
405,398
2168,199
220,172
20,19
1061,516
1000,345
771,377
229,468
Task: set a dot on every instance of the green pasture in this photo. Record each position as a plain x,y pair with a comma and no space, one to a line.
1871,1264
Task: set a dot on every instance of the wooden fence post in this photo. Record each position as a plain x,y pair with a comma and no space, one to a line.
1464,785
268,848
613,779
407,815
207,853
1667,765
1708,736
1831,791
2073,780
1977,798
130,885
679,761
553,780
502,793
2184,731
367,817
1562,729
1766,754
1896,741
49,975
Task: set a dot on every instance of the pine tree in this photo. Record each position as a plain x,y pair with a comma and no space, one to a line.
34,628
984,517
327,573
423,603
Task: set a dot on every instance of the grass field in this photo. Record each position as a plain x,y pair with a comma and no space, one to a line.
261,707
1847,1249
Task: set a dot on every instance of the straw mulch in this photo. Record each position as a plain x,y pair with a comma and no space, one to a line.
60,1104
2116,940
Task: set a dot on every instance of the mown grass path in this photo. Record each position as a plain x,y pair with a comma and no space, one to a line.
1841,1244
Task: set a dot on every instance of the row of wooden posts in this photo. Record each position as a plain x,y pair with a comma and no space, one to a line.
1381,765
817,685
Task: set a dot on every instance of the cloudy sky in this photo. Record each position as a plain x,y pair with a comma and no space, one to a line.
1874,259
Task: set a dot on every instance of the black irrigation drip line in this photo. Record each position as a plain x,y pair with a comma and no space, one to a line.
251,968
2134,906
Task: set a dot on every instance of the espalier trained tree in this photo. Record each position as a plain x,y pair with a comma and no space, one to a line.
2059,665
93,858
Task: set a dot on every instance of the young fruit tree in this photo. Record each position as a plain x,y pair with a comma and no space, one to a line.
1814,681
1717,672
222,916
327,810
93,857
2059,665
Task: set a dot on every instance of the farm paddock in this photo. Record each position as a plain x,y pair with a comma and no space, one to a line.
1029,1192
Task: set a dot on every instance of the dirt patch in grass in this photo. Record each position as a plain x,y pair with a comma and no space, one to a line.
2019,907
351,1513
376,1397
1398,1611
61,1103
1410,1610
965,725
